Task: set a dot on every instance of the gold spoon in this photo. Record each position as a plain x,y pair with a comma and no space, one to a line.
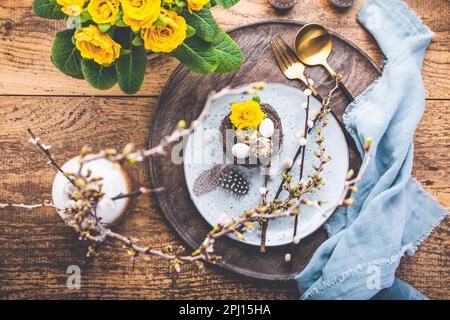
313,45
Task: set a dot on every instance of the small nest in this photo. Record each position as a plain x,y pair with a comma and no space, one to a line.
251,161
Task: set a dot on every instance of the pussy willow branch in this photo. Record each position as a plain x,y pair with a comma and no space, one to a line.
350,187
302,164
45,148
181,131
220,230
137,193
89,206
325,109
27,206
46,151
90,229
104,233
305,135
292,210
271,210
344,200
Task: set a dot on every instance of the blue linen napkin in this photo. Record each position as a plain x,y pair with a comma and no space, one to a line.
392,214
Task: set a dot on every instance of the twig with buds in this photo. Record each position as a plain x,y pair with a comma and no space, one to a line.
45,148
137,193
350,184
80,214
133,156
303,140
44,204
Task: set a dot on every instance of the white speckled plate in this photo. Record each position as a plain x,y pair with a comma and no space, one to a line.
204,149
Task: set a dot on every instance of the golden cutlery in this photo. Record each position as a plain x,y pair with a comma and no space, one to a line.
313,45
294,69
289,63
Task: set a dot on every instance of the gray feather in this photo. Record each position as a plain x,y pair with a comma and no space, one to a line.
228,177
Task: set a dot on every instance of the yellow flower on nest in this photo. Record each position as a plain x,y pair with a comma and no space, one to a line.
71,7
167,37
93,44
140,13
196,5
246,115
103,11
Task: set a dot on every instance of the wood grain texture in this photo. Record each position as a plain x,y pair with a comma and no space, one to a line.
25,44
35,247
180,100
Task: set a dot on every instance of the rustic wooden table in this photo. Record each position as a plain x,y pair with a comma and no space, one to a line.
36,248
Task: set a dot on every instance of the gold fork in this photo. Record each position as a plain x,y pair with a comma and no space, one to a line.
289,63
293,69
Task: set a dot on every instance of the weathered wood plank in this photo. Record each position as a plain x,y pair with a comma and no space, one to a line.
25,43
36,248
431,169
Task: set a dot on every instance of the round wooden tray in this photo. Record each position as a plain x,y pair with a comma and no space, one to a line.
183,97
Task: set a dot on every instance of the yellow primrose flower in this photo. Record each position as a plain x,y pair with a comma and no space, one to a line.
103,11
167,37
140,13
246,115
93,44
196,5
71,7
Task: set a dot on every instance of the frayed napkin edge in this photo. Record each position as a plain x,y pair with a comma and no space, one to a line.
409,248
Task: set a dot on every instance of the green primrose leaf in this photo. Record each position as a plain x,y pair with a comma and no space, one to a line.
229,55
104,27
190,31
85,16
197,54
256,99
179,3
65,56
131,65
98,76
224,3
118,22
204,24
137,41
48,9
125,51
159,22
